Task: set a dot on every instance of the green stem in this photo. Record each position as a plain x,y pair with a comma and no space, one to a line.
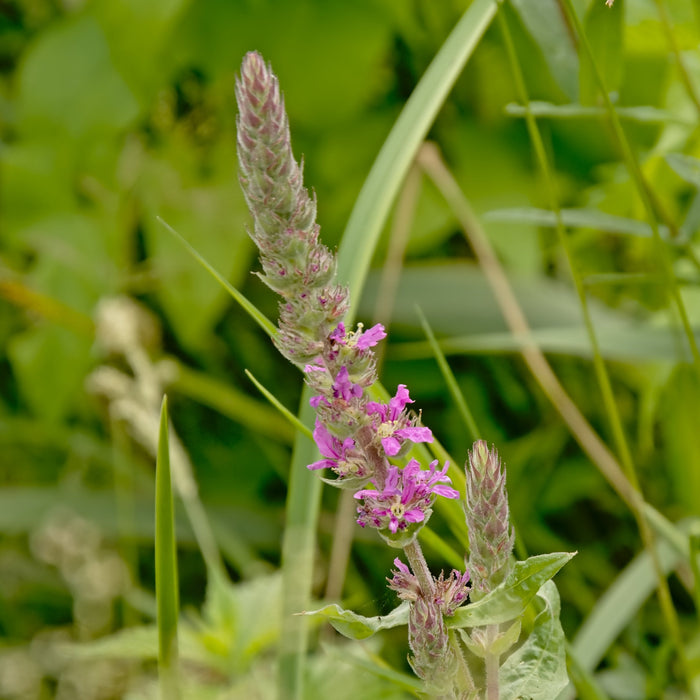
492,662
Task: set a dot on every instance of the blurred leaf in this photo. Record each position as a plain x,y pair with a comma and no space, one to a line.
643,114
356,626
36,354
537,669
678,421
240,621
686,167
137,33
619,605
604,28
545,22
508,600
69,85
577,218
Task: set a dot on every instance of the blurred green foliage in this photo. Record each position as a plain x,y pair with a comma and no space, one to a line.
116,112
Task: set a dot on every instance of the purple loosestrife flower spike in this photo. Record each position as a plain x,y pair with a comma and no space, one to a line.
490,534
295,264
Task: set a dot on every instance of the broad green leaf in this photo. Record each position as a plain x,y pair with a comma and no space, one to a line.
537,669
604,28
355,626
69,85
167,582
137,33
509,600
35,355
644,114
577,218
545,22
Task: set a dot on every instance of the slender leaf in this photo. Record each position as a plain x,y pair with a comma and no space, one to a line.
578,218
643,114
167,595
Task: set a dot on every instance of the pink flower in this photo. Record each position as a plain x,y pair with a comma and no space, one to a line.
406,497
339,455
395,424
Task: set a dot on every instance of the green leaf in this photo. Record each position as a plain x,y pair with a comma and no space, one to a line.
686,167
35,354
356,626
69,84
577,218
391,165
537,669
605,31
509,600
167,595
547,27
644,114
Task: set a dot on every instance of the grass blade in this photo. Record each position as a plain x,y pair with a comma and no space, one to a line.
166,567
258,316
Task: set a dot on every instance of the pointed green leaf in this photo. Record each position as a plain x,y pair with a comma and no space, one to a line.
577,218
510,599
537,669
644,114
166,565
356,626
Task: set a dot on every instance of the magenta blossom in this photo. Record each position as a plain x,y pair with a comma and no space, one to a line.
362,340
395,424
340,456
406,497
344,388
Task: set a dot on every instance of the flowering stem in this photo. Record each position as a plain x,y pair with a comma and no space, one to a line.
419,566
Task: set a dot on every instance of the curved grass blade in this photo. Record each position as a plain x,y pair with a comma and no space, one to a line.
449,378
166,567
250,308
282,409
391,165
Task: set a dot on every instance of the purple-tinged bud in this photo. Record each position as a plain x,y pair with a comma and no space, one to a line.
490,534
